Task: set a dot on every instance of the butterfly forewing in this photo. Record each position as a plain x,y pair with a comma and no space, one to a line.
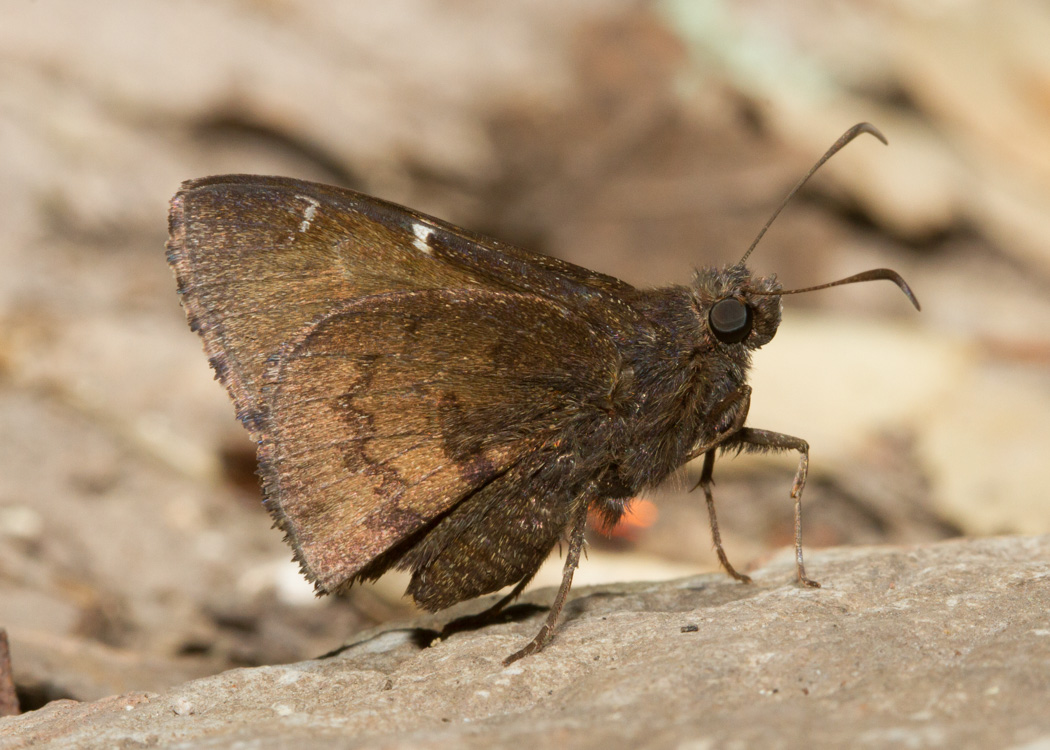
257,259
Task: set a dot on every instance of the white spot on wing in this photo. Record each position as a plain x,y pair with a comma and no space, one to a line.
422,233
309,213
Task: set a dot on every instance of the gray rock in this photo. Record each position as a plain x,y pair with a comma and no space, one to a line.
939,645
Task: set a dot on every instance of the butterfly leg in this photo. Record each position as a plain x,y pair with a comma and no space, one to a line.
496,608
734,409
729,417
470,622
706,481
572,560
763,440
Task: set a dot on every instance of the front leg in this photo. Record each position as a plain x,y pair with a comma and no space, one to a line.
729,417
706,481
760,441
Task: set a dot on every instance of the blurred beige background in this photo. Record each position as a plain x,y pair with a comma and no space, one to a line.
640,139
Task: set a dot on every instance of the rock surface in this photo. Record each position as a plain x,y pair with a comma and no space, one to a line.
938,645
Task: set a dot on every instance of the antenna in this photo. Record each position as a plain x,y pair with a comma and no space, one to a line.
872,275
845,138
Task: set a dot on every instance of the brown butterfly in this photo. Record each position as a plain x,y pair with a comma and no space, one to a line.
428,399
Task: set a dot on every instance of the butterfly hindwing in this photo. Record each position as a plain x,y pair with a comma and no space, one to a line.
387,414
498,535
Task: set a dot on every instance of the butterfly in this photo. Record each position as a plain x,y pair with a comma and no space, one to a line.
428,399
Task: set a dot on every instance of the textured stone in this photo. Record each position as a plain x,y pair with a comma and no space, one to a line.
944,645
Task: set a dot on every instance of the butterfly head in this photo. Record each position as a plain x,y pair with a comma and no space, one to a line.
736,306
740,308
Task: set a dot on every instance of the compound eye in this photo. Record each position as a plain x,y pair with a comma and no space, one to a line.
730,320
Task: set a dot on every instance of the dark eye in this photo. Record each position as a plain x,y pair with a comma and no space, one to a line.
730,320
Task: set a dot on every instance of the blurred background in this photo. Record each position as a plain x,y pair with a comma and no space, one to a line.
641,139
